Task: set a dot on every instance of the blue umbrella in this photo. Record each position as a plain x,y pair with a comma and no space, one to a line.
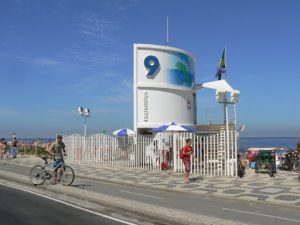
124,132
173,127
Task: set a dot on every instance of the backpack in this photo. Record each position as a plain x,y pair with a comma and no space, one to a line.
181,153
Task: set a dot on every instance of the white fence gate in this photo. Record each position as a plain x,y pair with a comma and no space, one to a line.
213,156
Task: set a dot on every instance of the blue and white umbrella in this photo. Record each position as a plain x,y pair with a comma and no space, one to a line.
124,132
173,127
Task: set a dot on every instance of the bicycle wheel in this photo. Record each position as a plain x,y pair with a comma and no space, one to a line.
271,170
297,166
67,176
37,175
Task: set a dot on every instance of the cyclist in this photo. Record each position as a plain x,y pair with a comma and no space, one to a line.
58,148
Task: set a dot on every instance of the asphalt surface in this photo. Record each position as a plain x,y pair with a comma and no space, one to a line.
242,211
21,208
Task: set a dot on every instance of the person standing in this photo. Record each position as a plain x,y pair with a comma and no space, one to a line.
14,146
2,148
50,153
298,150
187,151
58,148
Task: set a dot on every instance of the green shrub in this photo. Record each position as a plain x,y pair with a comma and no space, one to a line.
32,151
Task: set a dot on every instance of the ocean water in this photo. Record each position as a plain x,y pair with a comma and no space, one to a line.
245,142
268,142
30,140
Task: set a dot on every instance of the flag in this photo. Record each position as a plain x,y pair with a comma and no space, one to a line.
222,66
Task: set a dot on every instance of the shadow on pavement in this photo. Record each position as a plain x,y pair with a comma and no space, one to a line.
194,179
82,186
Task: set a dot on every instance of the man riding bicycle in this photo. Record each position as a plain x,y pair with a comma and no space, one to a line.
58,151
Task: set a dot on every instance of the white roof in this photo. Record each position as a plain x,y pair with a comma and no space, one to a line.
219,85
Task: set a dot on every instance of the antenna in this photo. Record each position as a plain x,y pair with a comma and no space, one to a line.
167,31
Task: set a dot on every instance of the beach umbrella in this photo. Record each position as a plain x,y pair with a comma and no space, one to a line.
124,132
173,127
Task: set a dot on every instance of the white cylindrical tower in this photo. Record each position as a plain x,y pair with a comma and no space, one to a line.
164,87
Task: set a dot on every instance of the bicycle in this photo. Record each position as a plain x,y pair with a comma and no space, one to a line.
296,165
38,173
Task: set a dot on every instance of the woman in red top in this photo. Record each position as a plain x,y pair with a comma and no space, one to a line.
187,151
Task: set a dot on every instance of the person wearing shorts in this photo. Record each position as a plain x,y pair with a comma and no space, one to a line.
187,151
58,149
3,148
14,146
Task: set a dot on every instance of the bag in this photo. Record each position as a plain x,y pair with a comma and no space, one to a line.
181,153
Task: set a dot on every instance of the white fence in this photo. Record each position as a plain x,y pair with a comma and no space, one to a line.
137,152
212,155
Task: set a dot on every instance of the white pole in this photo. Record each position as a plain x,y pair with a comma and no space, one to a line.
235,119
167,31
227,138
236,136
174,149
84,134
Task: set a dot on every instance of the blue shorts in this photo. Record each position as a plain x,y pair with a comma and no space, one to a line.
58,163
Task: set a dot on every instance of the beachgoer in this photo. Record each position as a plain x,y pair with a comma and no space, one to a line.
58,148
298,150
187,151
15,142
14,146
3,148
50,154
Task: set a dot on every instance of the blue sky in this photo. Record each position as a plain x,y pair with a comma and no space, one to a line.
58,55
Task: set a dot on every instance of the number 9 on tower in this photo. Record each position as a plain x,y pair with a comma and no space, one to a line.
152,64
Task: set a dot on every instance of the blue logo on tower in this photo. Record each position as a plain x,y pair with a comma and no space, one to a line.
177,69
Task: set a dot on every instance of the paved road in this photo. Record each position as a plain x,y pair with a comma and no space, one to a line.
22,208
253,213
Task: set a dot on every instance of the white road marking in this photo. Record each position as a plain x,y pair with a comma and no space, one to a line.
134,193
70,204
259,214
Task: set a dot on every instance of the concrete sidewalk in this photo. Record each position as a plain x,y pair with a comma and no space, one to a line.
284,188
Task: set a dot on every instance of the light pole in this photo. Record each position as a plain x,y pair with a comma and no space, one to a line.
221,97
84,112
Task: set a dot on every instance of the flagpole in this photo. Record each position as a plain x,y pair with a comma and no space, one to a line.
225,61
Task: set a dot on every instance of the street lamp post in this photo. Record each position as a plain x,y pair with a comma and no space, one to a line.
221,97
84,112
